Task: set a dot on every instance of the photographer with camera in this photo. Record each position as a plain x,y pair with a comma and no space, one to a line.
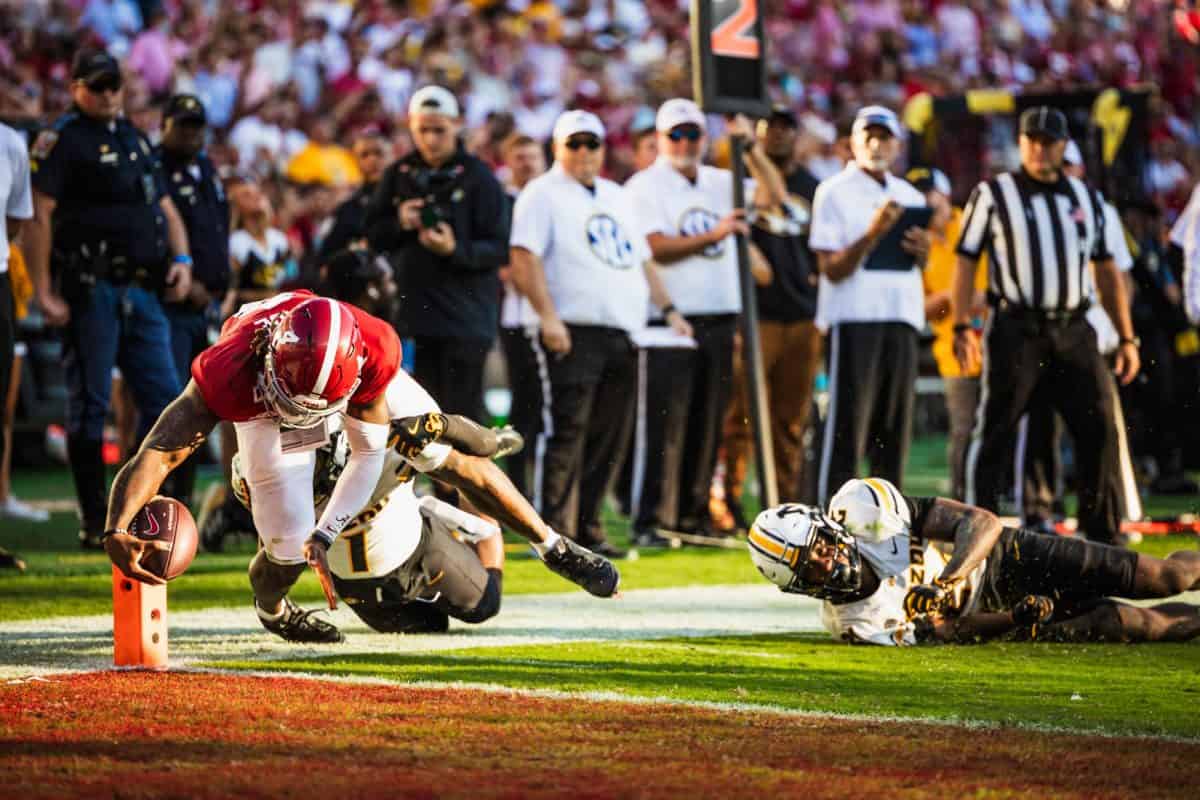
442,218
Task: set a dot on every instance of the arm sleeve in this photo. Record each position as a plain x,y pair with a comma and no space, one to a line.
368,449
827,232
486,248
20,196
384,233
976,218
50,162
532,222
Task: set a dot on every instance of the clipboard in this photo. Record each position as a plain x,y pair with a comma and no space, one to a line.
888,255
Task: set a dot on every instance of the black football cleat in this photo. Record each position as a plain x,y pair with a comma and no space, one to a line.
298,625
595,573
11,561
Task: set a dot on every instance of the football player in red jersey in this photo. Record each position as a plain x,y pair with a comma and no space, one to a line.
280,369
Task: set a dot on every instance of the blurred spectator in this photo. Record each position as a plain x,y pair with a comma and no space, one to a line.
155,51
322,160
579,258
790,341
1186,235
871,303
198,194
261,259
685,208
961,386
441,214
524,160
645,148
372,153
16,199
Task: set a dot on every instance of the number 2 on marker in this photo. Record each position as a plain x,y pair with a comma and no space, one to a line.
735,36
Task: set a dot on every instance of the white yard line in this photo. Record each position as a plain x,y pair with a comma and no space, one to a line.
71,644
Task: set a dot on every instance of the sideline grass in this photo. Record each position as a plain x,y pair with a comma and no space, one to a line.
1119,689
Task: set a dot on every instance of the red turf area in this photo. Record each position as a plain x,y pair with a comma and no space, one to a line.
190,735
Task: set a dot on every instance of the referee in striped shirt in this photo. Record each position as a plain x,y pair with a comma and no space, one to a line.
1040,229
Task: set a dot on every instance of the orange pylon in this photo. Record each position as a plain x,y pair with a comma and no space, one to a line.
139,623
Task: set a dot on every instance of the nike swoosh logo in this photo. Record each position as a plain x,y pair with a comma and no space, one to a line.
153,525
416,426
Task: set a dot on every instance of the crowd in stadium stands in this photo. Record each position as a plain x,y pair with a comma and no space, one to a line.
289,87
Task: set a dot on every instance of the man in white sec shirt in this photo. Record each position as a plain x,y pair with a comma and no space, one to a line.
685,208
579,257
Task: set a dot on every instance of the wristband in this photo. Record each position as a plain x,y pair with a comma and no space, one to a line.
962,326
1136,341
111,531
667,309
182,259
324,537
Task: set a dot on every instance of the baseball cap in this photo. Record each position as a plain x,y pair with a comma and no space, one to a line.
1044,121
185,108
572,122
1073,156
92,64
679,111
433,100
925,179
869,116
783,114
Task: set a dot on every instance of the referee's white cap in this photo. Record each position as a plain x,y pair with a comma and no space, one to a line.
433,100
679,111
577,121
882,116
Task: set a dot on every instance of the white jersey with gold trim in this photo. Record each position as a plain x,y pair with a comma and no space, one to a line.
874,512
385,533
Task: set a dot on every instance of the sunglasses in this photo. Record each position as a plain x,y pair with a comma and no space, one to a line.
109,83
590,142
685,133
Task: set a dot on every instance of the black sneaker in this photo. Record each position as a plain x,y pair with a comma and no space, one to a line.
581,566
297,625
11,561
651,538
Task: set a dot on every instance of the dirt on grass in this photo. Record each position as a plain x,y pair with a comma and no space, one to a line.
134,735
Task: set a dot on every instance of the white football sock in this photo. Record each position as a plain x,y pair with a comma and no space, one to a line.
544,547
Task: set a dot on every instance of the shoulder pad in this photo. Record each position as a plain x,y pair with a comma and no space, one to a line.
870,509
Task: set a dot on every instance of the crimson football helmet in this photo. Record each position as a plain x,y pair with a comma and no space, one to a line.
313,360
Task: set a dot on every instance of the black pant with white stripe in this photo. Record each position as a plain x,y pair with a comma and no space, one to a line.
682,396
586,420
872,388
527,378
1059,361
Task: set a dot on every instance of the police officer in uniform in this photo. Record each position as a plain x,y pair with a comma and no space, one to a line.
199,196
104,225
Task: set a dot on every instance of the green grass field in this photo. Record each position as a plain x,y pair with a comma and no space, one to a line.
1114,689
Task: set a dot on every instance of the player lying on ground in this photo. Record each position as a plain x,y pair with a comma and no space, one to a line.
405,565
280,368
871,559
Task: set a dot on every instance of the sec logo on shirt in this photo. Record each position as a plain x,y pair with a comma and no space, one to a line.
697,221
609,243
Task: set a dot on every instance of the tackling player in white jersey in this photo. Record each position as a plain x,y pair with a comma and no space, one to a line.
403,564
871,558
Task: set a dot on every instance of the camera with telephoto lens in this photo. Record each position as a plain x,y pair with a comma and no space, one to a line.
439,187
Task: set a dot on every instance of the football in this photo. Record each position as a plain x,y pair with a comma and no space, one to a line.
166,520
